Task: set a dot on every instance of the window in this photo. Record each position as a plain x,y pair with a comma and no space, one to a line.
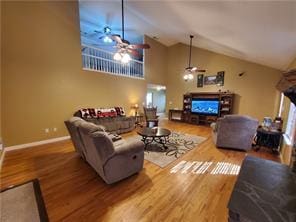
95,59
291,123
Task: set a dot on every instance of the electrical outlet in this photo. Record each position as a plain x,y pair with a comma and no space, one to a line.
55,129
46,130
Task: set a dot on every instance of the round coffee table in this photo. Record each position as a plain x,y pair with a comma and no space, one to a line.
156,134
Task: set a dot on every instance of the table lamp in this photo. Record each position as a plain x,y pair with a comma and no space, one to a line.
135,107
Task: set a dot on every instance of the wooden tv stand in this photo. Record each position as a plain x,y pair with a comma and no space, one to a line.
226,105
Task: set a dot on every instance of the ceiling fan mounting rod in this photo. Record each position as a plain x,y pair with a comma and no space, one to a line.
122,19
191,37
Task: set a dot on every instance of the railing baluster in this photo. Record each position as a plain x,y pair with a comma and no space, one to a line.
100,65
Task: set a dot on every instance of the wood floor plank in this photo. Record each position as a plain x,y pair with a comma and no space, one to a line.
74,192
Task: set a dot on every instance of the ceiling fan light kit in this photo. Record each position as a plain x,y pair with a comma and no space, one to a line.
107,39
188,76
123,57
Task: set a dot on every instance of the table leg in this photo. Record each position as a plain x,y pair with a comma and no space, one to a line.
146,141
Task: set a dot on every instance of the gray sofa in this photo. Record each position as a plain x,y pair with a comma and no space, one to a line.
119,124
235,131
113,161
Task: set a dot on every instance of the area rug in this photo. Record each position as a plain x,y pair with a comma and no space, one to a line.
178,144
22,203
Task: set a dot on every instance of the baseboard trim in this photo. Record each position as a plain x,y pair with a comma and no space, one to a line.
37,143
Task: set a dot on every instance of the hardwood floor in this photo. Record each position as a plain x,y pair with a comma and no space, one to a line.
74,192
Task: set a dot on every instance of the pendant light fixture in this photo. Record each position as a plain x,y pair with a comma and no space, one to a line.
188,75
122,55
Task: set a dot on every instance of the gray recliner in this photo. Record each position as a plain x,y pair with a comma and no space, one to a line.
112,161
235,131
72,126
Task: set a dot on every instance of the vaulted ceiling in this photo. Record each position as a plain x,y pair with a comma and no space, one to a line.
263,32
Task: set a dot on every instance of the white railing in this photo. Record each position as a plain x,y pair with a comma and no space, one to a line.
99,60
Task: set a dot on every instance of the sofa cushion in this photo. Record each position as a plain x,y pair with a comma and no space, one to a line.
124,124
111,124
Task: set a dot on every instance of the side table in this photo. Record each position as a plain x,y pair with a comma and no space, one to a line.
268,138
175,115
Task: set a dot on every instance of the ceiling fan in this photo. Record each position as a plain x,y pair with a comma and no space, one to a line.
124,48
191,69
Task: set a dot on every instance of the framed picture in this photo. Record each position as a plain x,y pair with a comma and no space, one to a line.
200,79
210,80
220,78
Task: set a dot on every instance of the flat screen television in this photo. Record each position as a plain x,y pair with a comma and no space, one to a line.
204,106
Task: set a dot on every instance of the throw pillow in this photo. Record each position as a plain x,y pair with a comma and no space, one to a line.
99,113
85,113
106,113
92,112
120,111
113,112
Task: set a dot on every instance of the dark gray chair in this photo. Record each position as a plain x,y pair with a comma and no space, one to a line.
150,116
112,161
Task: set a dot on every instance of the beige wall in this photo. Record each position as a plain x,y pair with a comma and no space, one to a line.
42,78
255,90
156,62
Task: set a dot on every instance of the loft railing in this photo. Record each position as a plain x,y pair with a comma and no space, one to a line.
99,60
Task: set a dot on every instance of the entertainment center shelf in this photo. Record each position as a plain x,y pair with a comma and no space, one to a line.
205,107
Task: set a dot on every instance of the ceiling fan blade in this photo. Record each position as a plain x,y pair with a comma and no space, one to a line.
116,38
134,52
127,43
139,46
195,69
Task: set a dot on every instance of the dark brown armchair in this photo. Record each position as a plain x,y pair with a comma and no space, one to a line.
150,116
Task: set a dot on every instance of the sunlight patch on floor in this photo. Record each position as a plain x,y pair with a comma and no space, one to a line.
199,167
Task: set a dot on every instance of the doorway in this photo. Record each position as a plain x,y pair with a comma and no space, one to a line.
156,97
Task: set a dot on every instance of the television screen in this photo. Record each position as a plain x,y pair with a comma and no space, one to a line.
205,106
